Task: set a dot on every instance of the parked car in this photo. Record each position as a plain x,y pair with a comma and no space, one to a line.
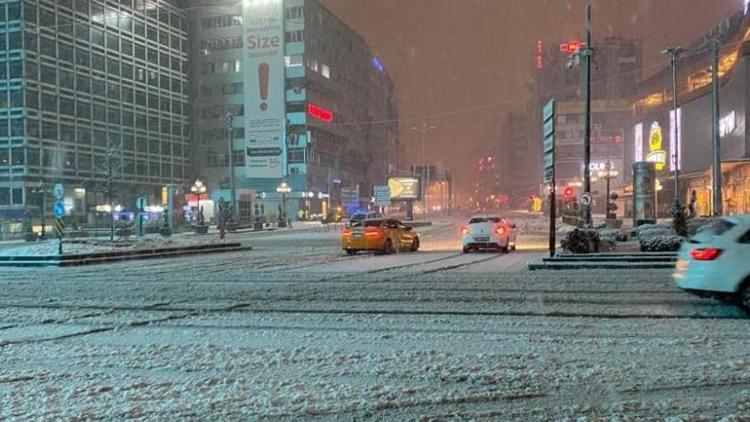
714,262
483,233
379,235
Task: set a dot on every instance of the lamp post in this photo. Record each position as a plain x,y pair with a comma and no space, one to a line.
423,130
608,174
229,122
198,189
40,190
674,53
284,189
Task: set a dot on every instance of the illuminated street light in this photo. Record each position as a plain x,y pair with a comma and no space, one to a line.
283,189
198,189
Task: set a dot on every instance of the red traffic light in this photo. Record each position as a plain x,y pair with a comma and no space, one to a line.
569,192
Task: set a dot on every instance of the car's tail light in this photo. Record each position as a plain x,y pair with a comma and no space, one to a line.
372,231
500,230
464,230
705,254
346,233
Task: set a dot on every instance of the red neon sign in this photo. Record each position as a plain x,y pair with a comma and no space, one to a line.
571,47
320,113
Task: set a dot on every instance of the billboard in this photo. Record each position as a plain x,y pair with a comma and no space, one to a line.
404,188
263,67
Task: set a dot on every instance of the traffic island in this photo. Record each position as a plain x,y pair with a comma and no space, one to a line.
81,257
607,261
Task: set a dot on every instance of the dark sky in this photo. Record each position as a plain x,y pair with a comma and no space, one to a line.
460,65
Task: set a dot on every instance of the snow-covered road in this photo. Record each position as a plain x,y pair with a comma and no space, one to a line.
294,329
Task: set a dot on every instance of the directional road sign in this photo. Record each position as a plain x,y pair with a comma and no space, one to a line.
382,195
140,203
585,199
59,191
59,209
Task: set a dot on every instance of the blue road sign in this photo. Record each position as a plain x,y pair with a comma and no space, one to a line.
59,209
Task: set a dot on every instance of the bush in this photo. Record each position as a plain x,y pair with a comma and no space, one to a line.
618,235
669,243
581,241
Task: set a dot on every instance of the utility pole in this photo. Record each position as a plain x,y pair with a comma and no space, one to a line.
229,122
716,134
109,201
587,53
425,168
674,53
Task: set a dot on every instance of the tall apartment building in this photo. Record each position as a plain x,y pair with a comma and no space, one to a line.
84,83
310,103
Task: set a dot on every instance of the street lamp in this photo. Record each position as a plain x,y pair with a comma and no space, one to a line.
607,174
284,189
674,53
229,123
198,189
41,191
423,130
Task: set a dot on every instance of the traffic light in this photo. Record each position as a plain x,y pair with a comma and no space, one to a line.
569,192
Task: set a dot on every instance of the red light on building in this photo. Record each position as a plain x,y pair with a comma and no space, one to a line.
320,113
571,47
539,62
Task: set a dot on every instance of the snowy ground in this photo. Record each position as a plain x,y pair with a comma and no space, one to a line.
294,329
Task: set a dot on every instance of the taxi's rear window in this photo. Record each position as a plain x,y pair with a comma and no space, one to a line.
372,223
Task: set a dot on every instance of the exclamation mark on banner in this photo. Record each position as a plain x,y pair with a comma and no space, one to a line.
263,82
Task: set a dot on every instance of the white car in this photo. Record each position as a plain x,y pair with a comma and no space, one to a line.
714,262
488,233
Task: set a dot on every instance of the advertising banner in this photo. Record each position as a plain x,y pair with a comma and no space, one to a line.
263,67
404,188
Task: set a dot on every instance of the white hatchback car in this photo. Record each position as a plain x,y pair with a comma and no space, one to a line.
714,262
488,233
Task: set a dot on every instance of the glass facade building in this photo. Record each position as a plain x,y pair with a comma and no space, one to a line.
86,87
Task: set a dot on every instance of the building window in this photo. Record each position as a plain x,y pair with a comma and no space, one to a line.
294,36
295,12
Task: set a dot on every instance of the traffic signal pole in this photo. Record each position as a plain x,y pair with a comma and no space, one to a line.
587,124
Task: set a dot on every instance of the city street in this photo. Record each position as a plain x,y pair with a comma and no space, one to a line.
296,328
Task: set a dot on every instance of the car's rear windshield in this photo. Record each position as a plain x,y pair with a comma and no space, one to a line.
372,223
720,227
479,220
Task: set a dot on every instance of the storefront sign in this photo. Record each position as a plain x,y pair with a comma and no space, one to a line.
638,142
728,124
656,154
675,144
263,67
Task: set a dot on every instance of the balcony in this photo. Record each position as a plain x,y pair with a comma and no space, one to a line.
295,71
298,95
298,118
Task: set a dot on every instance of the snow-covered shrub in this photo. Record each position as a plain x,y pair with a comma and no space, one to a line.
581,241
651,230
618,235
660,243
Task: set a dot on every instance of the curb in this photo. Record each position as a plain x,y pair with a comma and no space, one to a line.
605,265
107,257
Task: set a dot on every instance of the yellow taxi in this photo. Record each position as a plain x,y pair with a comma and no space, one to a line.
382,235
